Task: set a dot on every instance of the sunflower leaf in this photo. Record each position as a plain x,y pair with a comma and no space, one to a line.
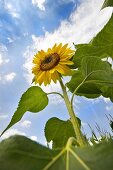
59,131
19,151
107,3
33,100
94,75
101,46
107,92
88,90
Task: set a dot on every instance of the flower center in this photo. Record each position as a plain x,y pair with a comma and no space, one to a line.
50,62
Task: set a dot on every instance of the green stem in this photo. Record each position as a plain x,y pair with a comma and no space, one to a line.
75,93
80,86
76,126
56,93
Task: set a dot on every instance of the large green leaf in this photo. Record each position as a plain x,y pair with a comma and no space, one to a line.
107,92
21,153
94,78
107,3
90,65
59,131
89,90
101,46
97,71
94,74
33,100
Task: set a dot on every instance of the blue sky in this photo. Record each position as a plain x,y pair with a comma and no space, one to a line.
28,26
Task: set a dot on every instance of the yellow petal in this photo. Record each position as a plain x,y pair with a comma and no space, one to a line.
39,82
66,62
55,77
41,54
47,77
52,70
38,77
36,61
53,73
66,57
41,75
63,69
58,48
54,48
63,49
66,53
35,70
49,51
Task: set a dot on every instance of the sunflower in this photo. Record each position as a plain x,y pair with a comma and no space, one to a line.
52,64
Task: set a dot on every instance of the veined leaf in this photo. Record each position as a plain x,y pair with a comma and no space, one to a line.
107,3
94,74
89,90
97,71
93,64
20,152
59,131
33,100
101,46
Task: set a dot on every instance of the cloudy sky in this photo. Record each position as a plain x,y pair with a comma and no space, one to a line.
28,26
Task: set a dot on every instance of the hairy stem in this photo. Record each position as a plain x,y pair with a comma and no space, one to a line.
76,126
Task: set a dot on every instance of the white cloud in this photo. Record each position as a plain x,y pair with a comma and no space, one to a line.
79,29
5,77
3,61
107,100
25,34
9,77
6,60
3,48
84,124
11,9
66,1
109,108
83,24
10,40
12,132
33,138
39,4
26,123
3,116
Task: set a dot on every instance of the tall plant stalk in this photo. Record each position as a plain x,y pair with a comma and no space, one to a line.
80,138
